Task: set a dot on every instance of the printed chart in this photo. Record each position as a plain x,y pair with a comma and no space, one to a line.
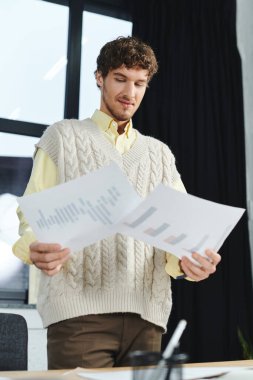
180,223
98,211
90,208
83,211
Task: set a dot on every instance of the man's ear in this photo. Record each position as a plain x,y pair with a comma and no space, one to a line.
99,79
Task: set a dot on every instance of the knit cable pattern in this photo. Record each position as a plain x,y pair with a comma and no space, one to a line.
117,274
108,264
92,266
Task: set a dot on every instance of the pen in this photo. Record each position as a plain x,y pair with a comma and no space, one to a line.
174,341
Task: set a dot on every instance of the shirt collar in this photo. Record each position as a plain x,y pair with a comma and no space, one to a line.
106,123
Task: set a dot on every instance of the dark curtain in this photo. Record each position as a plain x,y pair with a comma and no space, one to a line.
195,105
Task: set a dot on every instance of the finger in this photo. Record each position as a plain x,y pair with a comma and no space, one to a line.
45,247
206,263
43,257
50,265
45,263
53,271
192,270
214,256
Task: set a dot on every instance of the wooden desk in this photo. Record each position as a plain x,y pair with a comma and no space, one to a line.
30,374
235,363
56,373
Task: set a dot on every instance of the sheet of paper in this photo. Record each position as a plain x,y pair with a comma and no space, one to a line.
80,212
196,373
107,375
180,223
189,373
90,208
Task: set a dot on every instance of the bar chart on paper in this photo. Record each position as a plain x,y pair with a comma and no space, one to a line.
141,219
82,211
99,211
180,223
157,231
102,203
172,239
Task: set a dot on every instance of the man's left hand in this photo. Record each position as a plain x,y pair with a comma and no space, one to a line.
204,266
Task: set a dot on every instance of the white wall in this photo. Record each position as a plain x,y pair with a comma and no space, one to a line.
245,45
37,338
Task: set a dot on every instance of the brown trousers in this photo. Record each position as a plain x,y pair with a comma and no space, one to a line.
95,341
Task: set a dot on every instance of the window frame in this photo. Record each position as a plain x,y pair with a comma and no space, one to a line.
112,8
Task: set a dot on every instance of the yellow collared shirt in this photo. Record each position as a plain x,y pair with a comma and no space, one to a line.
44,175
109,127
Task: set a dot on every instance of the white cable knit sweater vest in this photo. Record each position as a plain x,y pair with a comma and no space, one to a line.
117,274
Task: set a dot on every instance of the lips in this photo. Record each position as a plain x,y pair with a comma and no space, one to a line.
126,103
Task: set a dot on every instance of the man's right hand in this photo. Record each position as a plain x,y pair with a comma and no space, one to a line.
48,257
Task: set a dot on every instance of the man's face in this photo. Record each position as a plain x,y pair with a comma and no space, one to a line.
122,91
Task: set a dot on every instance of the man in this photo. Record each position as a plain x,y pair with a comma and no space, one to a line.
114,296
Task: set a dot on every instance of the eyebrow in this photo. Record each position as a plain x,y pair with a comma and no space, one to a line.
125,77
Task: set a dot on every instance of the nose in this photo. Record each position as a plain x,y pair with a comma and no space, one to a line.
130,90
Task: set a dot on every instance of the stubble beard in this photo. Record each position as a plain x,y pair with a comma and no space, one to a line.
118,116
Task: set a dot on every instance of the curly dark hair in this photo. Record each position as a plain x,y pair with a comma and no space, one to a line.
128,51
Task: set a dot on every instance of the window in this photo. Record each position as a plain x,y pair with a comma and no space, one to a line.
15,168
36,73
97,30
33,40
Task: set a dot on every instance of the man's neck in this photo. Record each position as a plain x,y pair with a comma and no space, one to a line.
121,127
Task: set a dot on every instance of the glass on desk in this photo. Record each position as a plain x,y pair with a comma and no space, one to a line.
144,366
